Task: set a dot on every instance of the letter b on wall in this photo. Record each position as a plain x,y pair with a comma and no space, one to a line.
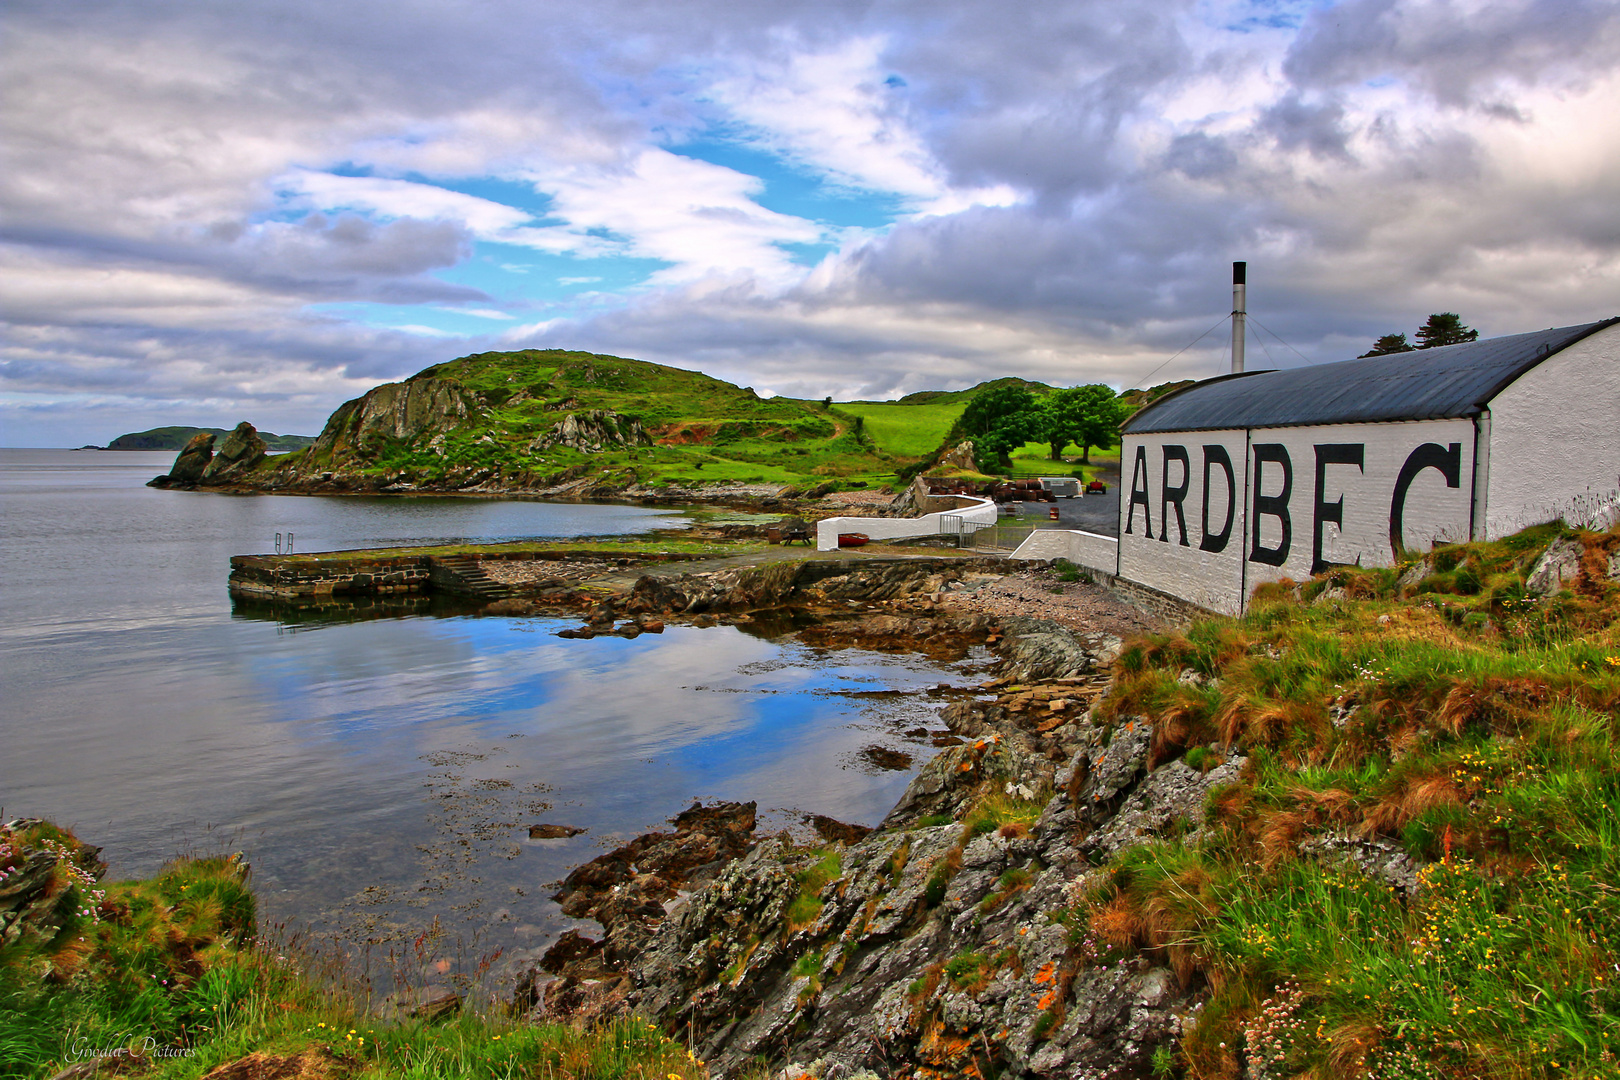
1275,506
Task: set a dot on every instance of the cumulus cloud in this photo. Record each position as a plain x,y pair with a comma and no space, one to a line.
186,190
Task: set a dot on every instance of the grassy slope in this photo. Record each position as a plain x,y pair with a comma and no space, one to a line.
704,430
1469,725
173,959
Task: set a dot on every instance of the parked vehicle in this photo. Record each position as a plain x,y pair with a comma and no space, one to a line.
1065,486
1096,487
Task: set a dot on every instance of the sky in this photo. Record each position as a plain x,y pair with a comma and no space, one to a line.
221,212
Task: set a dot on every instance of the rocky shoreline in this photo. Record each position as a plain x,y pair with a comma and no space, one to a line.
241,465
934,945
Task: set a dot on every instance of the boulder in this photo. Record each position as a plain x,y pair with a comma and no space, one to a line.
959,457
240,452
1557,568
190,464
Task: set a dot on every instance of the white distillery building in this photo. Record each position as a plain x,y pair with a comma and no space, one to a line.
1252,477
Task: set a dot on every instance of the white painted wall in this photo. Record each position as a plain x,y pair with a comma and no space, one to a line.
972,509
1221,576
1084,549
1432,510
1201,568
1555,439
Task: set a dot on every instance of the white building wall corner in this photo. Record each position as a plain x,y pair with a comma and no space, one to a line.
1555,440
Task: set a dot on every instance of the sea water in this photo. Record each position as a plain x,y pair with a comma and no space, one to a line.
379,774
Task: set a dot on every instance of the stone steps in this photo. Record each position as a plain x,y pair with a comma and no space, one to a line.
464,574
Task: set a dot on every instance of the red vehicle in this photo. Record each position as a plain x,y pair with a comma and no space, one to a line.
1096,487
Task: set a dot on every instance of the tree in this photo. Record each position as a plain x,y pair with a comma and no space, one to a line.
1086,416
1389,343
1444,328
1000,420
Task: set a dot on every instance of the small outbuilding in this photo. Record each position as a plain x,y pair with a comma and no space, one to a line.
1253,477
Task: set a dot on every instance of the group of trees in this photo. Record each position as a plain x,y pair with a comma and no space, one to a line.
1002,418
1442,328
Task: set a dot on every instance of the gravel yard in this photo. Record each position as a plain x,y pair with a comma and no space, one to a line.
1087,609
529,571
857,498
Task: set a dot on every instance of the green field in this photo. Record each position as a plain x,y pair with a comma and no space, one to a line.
906,430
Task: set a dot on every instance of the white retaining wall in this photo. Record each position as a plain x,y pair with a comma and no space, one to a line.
970,508
1086,550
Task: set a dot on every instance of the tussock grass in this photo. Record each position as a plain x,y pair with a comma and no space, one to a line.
1415,876
170,971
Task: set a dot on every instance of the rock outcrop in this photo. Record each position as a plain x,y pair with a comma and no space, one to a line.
189,466
592,432
240,452
200,465
940,943
408,412
47,878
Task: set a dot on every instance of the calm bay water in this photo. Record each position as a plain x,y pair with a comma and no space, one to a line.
381,773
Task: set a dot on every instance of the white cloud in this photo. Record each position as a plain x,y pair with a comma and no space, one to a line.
401,199
481,313
700,217
837,111
1073,180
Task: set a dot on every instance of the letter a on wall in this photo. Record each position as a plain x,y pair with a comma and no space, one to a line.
1139,493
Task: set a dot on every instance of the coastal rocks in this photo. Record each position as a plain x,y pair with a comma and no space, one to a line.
1042,649
241,451
934,944
806,583
199,465
627,891
592,432
45,875
188,468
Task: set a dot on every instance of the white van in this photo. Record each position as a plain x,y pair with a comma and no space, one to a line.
1066,486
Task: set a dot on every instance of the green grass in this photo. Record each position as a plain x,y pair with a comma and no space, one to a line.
907,429
172,964
1475,731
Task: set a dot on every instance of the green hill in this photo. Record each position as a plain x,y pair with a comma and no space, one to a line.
538,419
175,438
526,419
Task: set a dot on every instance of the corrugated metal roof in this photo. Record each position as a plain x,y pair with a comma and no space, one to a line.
1428,384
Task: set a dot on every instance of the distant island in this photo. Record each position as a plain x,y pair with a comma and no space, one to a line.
175,438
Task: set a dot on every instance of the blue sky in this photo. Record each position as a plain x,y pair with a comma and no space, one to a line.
209,215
